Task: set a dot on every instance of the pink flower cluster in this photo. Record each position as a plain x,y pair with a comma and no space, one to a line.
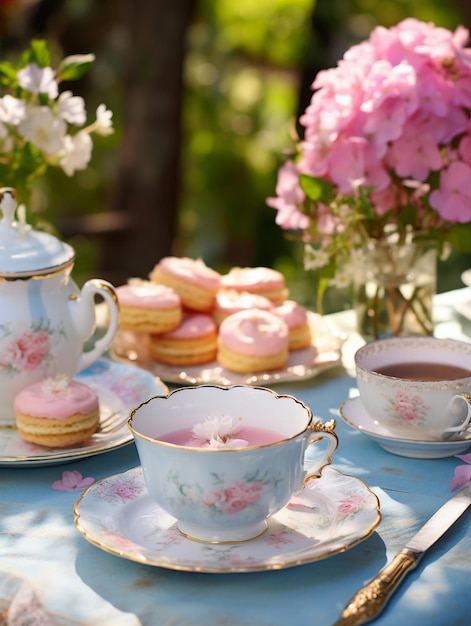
393,115
27,352
235,497
351,504
407,408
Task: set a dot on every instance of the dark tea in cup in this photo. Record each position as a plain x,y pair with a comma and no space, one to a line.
421,370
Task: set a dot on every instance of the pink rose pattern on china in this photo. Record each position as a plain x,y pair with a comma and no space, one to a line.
120,490
227,498
351,504
26,352
233,498
406,409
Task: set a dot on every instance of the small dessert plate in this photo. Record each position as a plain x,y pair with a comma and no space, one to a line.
325,352
120,389
332,514
355,415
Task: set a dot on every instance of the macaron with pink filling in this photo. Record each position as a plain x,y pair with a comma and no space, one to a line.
147,307
192,343
297,320
253,341
195,282
57,412
229,301
263,281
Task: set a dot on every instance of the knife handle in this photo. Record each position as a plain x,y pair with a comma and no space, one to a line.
369,601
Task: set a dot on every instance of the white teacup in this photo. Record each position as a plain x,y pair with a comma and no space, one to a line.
418,388
226,494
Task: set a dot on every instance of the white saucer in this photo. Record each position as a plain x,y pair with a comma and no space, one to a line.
354,414
333,513
324,353
120,389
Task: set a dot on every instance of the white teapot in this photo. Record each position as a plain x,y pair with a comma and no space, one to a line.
45,319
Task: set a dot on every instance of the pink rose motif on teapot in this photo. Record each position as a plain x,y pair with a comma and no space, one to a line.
27,352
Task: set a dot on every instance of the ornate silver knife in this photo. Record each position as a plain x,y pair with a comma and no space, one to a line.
368,603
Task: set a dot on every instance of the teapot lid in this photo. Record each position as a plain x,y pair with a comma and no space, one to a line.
24,251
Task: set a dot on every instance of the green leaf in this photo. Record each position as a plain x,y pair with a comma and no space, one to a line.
316,189
408,215
460,237
7,74
365,206
75,66
40,53
43,99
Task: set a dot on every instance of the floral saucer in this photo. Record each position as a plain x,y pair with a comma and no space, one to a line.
332,513
120,389
323,353
354,414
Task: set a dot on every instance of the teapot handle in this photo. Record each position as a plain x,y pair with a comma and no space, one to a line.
106,290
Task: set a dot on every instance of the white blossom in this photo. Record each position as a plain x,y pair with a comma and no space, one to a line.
38,80
341,280
77,152
72,108
12,110
43,129
218,432
102,126
315,258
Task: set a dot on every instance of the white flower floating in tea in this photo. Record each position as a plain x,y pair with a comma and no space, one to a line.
218,432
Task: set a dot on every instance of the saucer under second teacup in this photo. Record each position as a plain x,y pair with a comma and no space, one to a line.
355,415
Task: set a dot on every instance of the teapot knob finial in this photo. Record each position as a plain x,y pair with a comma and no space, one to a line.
8,204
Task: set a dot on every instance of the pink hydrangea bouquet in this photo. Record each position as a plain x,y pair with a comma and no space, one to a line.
386,153
42,126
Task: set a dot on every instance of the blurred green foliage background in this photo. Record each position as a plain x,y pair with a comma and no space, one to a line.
247,72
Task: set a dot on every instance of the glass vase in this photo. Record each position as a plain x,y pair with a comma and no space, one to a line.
393,289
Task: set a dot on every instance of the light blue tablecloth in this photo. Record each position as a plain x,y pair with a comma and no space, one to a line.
73,578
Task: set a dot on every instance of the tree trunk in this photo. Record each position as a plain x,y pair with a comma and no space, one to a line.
147,183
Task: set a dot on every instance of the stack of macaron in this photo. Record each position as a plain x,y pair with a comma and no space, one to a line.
242,319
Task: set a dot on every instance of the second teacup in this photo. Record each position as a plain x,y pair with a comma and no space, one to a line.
419,388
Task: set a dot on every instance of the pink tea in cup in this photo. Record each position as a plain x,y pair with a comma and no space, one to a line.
245,437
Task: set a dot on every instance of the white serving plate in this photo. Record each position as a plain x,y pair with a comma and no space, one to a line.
324,353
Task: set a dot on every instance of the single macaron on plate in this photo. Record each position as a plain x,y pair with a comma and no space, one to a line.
120,387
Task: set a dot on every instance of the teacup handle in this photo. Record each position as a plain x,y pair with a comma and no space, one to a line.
459,399
89,290
320,430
